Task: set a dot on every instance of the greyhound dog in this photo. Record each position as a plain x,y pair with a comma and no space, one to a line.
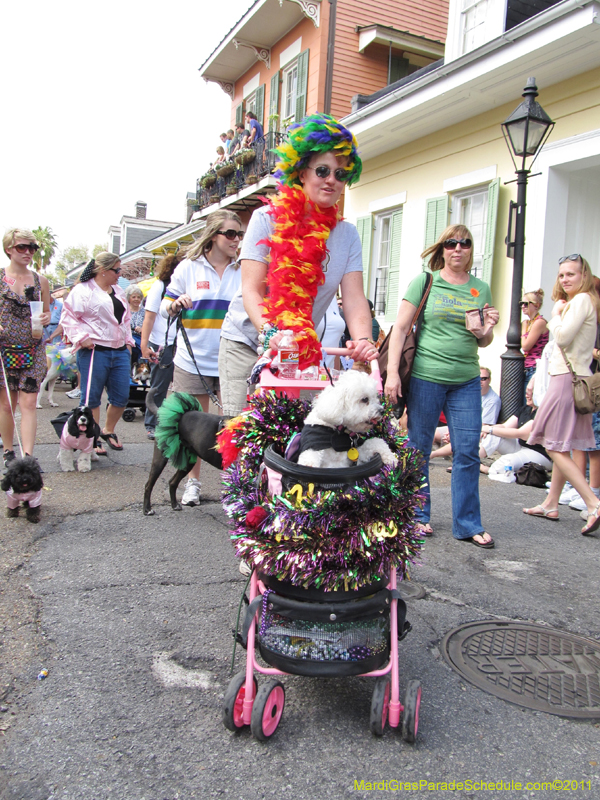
183,432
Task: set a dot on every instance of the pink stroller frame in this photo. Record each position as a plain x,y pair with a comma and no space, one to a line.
375,614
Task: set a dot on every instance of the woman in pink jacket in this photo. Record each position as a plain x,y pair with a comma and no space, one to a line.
96,319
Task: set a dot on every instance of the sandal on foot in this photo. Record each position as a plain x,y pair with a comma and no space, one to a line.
424,528
486,545
540,511
594,524
112,441
100,451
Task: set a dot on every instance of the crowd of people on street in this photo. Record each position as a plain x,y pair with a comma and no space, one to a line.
216,305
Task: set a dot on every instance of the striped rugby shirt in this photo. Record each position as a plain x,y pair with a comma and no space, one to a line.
211,296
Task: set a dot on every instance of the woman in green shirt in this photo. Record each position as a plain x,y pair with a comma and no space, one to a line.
445,375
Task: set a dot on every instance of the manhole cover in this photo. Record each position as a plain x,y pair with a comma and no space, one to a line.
411,591
529,665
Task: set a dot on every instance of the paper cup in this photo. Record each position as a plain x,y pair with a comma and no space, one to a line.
37,309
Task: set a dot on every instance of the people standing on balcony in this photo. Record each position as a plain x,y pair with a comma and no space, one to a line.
236,144
200,290
229,143
446,375
298,242
255,128
220,159
534,331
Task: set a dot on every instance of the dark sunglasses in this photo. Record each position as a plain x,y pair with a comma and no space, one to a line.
23,248
339,174
572,257
231,234
450,244
115,269
484,379
524,303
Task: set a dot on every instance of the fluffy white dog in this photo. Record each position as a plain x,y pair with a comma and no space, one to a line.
331,436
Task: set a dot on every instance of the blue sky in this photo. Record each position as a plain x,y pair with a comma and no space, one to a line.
103,105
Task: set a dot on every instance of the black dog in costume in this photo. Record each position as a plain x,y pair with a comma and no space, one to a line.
183,433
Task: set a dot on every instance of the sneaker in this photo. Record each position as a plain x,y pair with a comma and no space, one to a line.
191,495
9,455
568,494
245,568
75,394
578,503
150,433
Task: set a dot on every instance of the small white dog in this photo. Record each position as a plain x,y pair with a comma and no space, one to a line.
68,358
340,414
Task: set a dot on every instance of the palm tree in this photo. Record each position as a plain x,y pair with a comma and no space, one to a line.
48,244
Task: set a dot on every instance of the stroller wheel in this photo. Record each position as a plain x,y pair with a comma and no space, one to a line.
267,710
410,717
379,705
233,704
129,414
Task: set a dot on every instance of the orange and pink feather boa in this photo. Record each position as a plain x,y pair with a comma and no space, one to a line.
298,247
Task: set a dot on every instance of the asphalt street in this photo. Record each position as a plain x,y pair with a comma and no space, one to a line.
134,620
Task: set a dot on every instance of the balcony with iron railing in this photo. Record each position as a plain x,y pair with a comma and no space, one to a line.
246,168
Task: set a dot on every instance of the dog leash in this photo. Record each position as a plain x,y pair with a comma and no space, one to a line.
188,346
89,380
15,426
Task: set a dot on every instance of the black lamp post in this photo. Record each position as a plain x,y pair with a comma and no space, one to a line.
526,132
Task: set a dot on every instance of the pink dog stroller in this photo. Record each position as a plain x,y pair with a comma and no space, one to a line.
347,625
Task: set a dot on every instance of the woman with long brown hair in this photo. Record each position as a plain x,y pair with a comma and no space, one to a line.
201,289
154,332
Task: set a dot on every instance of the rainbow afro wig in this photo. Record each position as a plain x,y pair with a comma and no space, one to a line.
317,133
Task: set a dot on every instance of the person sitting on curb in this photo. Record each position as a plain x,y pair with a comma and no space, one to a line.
490,409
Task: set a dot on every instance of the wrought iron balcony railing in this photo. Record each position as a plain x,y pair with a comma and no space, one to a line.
256,162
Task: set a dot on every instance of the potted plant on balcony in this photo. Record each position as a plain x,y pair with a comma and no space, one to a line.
274,122
225,170
251,180
231,188
245,156
208,179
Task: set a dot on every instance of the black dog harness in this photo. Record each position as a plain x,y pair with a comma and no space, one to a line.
320,437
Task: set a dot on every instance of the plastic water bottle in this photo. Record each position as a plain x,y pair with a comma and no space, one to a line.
508,473
288,355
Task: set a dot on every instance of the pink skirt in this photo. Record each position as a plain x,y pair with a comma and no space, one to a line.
557,426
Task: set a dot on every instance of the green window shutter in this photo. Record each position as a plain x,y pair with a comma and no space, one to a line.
239,114
274,98
393,281
436,220
490,231
302,86
364,225
260,104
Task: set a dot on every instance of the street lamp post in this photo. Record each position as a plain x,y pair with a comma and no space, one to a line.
525,131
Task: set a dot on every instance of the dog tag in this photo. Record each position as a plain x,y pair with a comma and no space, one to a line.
353,455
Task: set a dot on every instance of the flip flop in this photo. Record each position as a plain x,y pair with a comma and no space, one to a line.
486,545
595,516
109,438
424,528
540,511
100,451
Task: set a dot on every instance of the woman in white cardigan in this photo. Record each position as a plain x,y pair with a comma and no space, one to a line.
558,427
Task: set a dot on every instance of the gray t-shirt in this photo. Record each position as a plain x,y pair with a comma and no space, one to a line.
344,254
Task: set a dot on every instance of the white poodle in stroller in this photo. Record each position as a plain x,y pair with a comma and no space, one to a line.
333,433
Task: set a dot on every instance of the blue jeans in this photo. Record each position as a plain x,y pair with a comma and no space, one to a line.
461,403
160,380
111,370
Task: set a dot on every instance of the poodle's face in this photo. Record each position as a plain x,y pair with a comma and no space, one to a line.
23,475
81,422
353,402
